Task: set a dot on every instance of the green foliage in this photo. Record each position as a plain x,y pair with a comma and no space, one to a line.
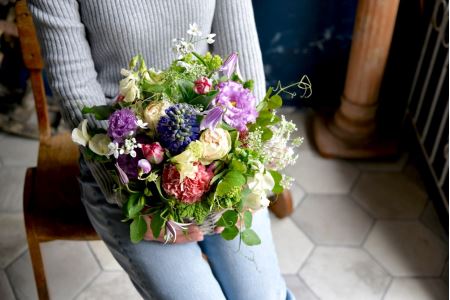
229,233
248,217
229,181
203,100
277,177
199,211
100,112
228,219
249,84
134,205
157,224
250,238
138,228
186,89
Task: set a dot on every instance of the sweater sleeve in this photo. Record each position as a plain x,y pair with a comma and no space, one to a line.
234,24
70,69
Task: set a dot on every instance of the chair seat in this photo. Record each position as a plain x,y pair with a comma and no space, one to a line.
52,202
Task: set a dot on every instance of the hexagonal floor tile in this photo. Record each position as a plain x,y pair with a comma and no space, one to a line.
292,245
395,164
110,285
299,288
417,289
298,194
12,180
21,277
332,220
407,248
18,151
6,292
12,237
337,273
430,219
389,195
104,256
69,267
323,176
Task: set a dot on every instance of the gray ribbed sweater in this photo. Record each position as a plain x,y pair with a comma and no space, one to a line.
85,43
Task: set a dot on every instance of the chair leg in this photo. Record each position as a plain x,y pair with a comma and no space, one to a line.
38,266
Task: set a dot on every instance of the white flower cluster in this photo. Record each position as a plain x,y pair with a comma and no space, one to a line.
279,151
183,47
127,148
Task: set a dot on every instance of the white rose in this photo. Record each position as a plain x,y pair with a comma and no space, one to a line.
259,186
99,144
216,144
153,113
128,86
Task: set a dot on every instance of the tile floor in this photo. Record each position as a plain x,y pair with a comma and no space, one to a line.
361,230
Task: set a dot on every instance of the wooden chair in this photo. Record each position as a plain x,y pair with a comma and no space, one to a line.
52,206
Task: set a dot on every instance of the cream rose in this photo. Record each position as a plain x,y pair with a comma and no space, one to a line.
216,144
153,113
128,86
259,186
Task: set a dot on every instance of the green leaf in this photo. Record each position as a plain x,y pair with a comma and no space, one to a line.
138,228
230,233
275,101
100,112
203,100
156,225
228,219
250,238
186,88
136,206
277,189
248,217
131,202
267,134
152,88
239,166
230,180
249,84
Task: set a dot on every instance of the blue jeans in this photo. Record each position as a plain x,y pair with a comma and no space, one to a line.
178,271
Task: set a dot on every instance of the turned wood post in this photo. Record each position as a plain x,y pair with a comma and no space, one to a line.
350,133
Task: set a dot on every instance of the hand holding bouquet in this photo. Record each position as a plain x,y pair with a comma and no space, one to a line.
192,144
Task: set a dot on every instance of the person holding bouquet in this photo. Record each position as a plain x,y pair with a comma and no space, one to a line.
85,44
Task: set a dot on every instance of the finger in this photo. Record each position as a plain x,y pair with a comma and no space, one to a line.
219,229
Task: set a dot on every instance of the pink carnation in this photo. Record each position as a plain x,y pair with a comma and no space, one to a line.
191,190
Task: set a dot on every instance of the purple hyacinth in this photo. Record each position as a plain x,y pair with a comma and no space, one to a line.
121,124
178,128
239,104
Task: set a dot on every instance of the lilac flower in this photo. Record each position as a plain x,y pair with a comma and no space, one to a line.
238,103
122,123
229,65
212,118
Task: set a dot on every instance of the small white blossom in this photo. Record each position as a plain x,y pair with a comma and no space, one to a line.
141,124
194,30
114,149
210,38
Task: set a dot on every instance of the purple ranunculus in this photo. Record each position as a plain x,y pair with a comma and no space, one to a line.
121,124
239,104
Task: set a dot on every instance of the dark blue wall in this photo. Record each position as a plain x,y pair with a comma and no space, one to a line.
311,37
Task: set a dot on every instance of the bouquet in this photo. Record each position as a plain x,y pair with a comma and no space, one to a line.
192,144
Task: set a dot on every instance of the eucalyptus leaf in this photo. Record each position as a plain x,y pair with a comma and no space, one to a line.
275,101
138,228
248,217
267,134
228,219
250,238
277,177
230,233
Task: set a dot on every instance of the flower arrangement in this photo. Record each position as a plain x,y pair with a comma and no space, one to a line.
192,144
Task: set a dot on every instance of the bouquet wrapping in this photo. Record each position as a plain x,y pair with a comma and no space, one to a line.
192,144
